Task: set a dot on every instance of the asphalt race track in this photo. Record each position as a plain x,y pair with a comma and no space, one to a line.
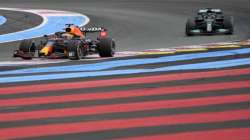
145,24
189,94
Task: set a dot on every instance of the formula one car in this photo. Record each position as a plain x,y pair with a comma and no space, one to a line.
72,43
209,21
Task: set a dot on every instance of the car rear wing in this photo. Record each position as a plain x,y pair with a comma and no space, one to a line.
92,29
103,32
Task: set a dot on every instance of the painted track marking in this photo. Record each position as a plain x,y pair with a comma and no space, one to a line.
197,66
116,108
224,134
53,21
130,62
124,94
57,129
2,20
119,82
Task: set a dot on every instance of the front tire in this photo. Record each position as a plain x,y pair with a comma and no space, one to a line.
228,24
27,46
190,25
75,51
106,47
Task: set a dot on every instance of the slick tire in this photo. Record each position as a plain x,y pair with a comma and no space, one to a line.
190,25
27,46
228,24
106,47
75,51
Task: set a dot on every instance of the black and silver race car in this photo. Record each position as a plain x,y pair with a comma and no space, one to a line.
209,21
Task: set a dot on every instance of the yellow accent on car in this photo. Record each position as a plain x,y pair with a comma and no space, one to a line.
46,50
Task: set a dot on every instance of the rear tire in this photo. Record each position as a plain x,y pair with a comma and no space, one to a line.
228,24
190,25
106,47
75,51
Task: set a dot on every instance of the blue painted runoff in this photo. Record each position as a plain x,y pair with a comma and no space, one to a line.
205,65
130,62
2,20
54,24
